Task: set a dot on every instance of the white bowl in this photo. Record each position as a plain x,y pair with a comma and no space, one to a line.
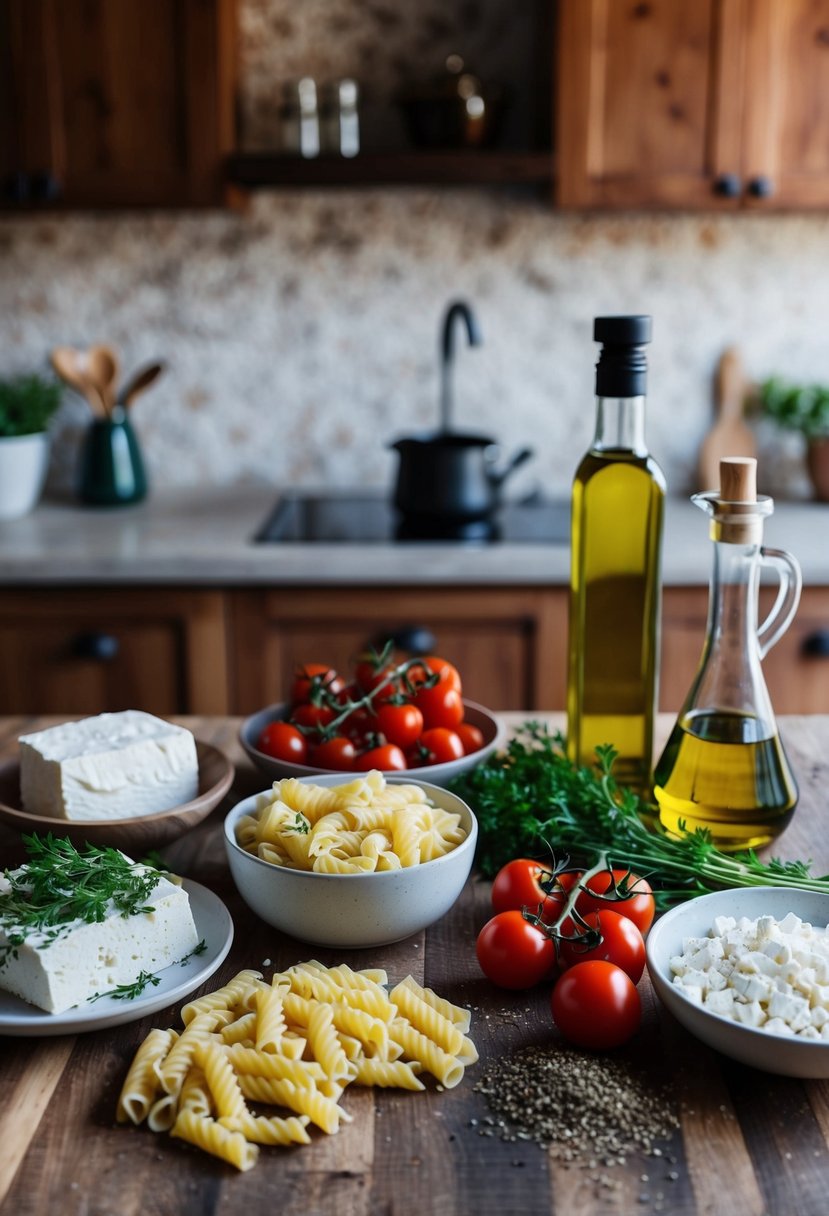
439,774
353,910
791,1057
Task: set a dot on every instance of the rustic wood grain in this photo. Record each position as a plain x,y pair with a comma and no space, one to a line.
749,1144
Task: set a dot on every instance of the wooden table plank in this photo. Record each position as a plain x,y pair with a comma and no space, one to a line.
417,1153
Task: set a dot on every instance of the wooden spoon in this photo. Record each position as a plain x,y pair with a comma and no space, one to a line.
103,368
140,381
68,365
730,434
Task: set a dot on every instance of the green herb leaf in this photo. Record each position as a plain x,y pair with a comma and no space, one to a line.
128,992
200,949
531,801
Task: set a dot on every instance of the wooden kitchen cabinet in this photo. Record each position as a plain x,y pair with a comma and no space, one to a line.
91,651
796,670
720,103
113,103
508,643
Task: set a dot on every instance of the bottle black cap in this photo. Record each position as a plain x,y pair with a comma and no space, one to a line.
622,369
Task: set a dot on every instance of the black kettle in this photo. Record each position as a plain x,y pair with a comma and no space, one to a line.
446,475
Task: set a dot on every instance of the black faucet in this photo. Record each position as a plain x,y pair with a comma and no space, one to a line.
458,311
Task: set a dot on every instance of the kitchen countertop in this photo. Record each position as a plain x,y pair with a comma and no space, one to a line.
748,1143
204,537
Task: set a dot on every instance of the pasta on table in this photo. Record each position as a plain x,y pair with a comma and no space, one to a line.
294,1043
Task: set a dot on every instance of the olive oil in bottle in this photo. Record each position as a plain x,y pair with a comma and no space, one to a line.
617,513
724,768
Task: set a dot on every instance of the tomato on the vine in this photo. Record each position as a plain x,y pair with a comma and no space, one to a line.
470,736
386,756
312,716
447,673
401,724
513,953
596,1005
622,944
638,907
283,742
439,746
337,753
517,885
314,675
369,676
440,705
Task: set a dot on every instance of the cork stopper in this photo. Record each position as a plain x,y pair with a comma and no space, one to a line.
738,479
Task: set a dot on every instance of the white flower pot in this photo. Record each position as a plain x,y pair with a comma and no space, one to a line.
23,463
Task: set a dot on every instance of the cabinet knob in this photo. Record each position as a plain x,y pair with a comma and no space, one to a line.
45,187
816,645
761,187
101,647
413,639
728,185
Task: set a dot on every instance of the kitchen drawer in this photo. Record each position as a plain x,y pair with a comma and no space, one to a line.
87,652
796,669
507,644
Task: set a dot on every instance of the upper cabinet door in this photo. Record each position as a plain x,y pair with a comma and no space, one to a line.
118,103
649,103
786,114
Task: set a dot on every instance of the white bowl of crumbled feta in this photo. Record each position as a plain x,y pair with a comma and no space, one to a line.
747,972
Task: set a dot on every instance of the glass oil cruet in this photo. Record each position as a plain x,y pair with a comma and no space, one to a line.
723,767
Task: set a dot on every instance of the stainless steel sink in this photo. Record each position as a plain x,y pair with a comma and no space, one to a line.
364,518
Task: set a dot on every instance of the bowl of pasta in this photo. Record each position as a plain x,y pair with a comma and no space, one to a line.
351,861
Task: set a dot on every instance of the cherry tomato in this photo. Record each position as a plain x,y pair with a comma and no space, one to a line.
639,907
337,753
471,738
401,724
513,953
441,745
622,944
385,757
432,665
440,706
516,885
311,676
596,1005
312,716
370,676
283,742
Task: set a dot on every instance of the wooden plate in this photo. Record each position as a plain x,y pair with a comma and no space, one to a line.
134,836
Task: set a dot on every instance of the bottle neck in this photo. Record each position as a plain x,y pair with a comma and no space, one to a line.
620,425
733,598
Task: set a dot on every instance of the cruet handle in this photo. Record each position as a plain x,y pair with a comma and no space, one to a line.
788,597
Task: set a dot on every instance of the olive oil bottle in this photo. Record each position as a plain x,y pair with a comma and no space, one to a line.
617,515
724,768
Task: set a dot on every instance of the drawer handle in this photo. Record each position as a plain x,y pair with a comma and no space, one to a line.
413,639
816,645
728,185
102,647
761,187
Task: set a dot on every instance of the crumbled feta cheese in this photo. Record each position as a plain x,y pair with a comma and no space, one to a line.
761,973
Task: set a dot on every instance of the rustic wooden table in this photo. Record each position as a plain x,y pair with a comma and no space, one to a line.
749,1142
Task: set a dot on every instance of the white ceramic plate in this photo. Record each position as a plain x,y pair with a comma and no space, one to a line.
213,924
776,1053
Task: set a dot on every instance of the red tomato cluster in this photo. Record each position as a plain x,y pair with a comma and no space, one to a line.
594,1001
391,716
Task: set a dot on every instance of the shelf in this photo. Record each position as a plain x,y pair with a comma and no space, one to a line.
250,170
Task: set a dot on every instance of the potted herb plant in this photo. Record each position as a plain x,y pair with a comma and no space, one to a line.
803,408
27,404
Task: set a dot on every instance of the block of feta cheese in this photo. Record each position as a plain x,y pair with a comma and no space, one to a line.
85,959
113,766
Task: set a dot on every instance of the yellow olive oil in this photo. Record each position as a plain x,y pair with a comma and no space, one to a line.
725,771
618,499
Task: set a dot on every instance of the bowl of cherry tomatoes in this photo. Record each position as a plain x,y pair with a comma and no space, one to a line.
390,715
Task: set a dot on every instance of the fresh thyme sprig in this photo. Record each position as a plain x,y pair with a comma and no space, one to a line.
129,992
60,885
200,949
531,799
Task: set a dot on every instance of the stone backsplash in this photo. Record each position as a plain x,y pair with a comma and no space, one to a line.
302,335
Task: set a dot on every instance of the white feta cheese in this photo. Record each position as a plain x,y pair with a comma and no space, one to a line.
86,959
113,766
